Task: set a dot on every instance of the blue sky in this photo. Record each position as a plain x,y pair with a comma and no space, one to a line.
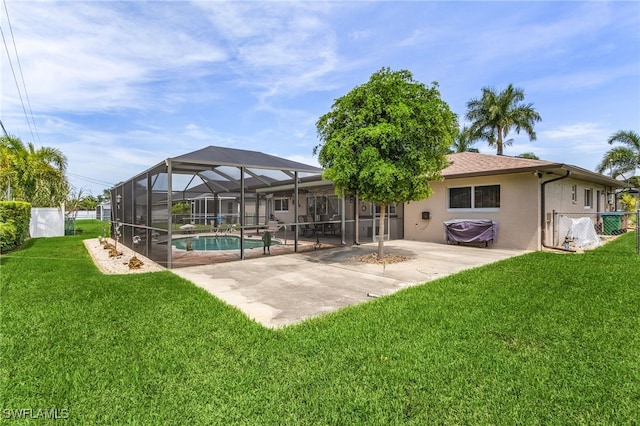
120,86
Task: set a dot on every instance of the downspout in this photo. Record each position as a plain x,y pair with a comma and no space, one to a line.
343,219
543,212
356,233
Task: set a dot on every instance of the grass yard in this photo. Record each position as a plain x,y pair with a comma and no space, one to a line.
543,338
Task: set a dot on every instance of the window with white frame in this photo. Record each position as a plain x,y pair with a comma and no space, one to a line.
574,194
481,197
588,198
281,204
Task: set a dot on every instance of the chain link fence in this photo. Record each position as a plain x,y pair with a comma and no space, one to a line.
587,230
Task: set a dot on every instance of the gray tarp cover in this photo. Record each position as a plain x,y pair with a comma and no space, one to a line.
471,230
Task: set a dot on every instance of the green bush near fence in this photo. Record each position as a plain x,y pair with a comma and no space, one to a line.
14,224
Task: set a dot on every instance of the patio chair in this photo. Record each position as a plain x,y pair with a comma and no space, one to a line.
307,227
334,228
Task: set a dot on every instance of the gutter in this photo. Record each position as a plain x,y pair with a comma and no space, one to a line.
542,213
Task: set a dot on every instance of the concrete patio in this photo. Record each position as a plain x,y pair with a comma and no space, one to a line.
281,290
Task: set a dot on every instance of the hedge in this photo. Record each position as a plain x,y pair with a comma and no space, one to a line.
14,224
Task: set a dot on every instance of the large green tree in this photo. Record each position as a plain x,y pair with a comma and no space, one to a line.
496,113
385,140
622,160
34,175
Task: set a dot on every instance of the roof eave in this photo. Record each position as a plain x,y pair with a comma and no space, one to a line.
509,171
551,167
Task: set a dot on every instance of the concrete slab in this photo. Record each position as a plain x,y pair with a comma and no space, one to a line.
283,290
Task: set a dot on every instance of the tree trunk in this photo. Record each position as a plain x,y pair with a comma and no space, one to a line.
383,207
499,141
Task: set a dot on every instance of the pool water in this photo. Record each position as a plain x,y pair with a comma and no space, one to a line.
217,242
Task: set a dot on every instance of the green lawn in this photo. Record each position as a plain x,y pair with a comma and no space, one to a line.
543,338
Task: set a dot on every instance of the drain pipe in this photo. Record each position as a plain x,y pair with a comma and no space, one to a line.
543,226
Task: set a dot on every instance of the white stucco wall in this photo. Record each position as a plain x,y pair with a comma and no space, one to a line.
559,200
517,217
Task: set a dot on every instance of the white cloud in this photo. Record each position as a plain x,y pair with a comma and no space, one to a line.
582,79
278,48
304,159
573,131
120,86
359,34
102,57
582,144
526,37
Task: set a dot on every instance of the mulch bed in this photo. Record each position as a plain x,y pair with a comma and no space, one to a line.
388,258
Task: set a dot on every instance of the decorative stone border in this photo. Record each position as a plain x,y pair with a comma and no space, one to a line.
118,264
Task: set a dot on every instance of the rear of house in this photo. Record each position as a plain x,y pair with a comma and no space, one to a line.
518,195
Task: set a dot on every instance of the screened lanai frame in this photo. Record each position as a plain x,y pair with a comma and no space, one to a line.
143,212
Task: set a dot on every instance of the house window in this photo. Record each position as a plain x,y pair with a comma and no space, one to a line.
460,198
588,198
574,193
323,205
281,204
475,197
390,210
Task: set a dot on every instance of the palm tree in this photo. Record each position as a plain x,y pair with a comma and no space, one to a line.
495,114
33,175
528,155
463,141
621,160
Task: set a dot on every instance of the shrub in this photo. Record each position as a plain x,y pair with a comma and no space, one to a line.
630,204
14,224
181,208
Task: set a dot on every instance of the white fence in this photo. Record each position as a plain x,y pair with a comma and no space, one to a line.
84,214
46,222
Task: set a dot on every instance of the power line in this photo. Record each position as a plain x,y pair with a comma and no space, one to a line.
15,48
92,180
3,129
24,84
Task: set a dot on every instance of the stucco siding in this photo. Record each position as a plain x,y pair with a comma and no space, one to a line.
517,217
560,198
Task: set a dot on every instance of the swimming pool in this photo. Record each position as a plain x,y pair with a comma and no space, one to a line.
217,242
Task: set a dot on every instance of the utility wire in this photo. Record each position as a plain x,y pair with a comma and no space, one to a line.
24,85
92,180
15,79
3,129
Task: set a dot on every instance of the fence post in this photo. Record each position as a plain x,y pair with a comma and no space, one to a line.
554,223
